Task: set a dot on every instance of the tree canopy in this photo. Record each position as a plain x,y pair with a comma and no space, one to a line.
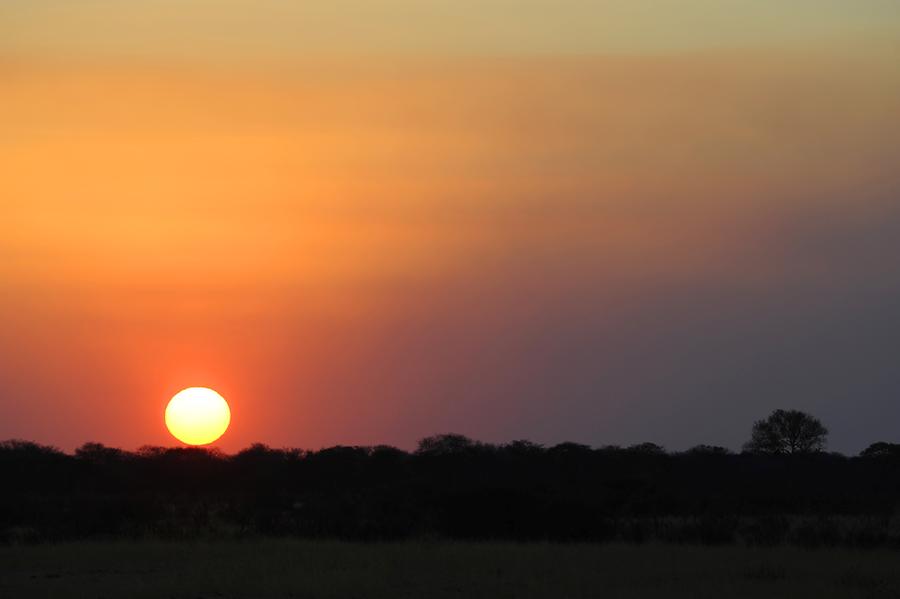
787,432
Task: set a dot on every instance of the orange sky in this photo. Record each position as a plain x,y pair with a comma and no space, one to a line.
360,250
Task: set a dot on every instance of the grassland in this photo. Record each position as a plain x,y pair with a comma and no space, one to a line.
288,568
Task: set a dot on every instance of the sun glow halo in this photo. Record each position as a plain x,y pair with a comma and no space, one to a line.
197,416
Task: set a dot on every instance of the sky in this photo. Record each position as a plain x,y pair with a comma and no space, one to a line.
366,222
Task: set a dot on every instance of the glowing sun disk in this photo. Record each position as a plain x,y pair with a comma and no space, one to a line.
197,416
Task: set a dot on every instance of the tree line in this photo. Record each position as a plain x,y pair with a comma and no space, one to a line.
783,488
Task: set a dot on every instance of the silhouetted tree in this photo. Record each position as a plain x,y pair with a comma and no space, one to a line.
19,447
881,450
523,448
787,432
99,453
569,448
647,449
445,444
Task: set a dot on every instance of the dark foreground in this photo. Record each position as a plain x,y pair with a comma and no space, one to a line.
289,568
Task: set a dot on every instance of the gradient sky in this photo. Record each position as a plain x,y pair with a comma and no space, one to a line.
370,221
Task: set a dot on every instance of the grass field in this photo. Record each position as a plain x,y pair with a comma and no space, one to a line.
276,568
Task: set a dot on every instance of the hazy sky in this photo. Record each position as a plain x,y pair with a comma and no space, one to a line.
367,222
229,28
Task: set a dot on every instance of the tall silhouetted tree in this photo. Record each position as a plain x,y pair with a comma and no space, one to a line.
787,432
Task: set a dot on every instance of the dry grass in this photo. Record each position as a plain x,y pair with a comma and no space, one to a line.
310,569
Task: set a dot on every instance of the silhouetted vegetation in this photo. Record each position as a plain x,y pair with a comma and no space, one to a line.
454,487
788,432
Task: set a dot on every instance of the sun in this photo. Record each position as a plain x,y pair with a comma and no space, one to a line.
197,416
